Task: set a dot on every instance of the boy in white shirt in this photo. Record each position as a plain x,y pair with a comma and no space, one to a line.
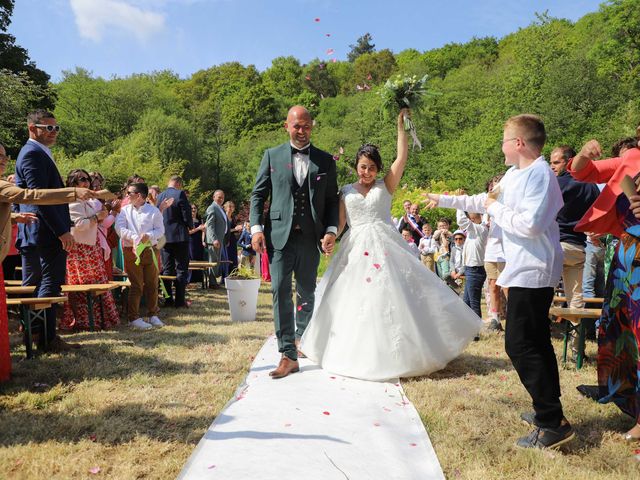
525,206
138,224
473,257
427,248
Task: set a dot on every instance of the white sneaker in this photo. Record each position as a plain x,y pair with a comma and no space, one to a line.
140,324
155,321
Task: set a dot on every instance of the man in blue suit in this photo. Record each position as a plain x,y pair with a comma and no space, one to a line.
175,253
45,243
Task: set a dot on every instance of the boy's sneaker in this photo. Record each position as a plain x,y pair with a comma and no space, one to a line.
528,418
494,326
548,437
155,321
140,324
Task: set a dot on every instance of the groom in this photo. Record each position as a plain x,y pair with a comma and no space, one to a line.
302,217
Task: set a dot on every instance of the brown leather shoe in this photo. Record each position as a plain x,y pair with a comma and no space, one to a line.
300,354
58,345
285,367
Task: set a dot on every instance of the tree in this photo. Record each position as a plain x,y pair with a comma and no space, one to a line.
17,94
373,68
16,59
363,45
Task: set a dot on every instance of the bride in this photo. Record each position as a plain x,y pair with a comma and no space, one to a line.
379,313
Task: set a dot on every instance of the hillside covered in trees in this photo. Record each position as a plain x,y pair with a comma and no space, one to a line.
583,78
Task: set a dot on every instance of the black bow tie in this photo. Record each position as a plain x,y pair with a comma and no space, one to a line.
304,151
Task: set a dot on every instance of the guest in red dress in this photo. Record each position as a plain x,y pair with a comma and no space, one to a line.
85,263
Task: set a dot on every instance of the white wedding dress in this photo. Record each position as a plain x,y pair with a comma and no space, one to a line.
379,313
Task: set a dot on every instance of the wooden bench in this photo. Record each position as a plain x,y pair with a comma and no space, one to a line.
33,309
563,299
92,291
205,267
573,323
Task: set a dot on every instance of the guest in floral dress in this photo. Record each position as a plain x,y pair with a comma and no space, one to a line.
85,262
619,325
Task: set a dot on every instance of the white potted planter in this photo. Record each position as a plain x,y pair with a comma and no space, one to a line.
242,294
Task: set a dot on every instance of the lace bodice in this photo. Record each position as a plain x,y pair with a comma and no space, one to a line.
375,207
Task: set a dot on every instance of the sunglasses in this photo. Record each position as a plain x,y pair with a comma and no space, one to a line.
82,179
49,128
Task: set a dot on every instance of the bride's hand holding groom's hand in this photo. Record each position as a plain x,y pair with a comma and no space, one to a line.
327,243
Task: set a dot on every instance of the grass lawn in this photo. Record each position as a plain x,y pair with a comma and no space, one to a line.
135,404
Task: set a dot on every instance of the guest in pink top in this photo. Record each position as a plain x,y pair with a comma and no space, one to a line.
619,325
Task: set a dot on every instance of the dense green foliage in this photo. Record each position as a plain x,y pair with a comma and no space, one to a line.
583,78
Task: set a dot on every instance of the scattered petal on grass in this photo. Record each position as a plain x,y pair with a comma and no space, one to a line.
336,158
308,77
503,378
93,437
341,150
94,470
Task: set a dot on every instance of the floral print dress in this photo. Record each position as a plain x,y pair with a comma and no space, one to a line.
619,325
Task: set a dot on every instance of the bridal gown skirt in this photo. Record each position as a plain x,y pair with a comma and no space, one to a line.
380,314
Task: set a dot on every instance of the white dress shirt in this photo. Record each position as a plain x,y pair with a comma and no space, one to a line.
526,210
132,223
474,245
300,164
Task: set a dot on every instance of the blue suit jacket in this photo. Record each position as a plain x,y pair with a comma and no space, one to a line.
35,169
177,218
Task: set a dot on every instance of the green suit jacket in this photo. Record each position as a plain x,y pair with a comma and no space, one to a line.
274,182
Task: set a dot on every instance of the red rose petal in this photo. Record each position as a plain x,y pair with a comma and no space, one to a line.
299,307
326,413
376,424
316,19
413,444
376,265
94,470
366,254
368,279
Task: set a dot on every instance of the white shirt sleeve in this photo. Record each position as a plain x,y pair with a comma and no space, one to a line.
536,210
468,203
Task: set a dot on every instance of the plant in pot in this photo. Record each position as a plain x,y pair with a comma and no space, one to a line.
242,293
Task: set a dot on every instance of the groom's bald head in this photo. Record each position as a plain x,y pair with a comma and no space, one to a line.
299,125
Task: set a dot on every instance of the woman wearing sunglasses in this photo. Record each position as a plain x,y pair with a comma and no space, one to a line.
85,261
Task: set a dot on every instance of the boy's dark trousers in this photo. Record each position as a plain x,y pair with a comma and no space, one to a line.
528,344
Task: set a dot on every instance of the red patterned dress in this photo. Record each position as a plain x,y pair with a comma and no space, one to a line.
85,265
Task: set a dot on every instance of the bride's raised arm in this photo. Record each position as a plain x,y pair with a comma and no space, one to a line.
393,176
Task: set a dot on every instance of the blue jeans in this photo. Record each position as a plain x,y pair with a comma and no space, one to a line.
593,274
45,267
474,279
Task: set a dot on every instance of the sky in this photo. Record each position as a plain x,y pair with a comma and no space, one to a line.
122,37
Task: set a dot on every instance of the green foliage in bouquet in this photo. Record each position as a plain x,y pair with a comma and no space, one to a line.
405,91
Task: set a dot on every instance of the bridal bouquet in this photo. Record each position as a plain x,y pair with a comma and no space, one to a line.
404,91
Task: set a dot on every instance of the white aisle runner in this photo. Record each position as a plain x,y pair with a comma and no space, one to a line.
313,425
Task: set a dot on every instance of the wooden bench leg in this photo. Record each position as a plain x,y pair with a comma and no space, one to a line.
90,311
581,344
567,334
26,323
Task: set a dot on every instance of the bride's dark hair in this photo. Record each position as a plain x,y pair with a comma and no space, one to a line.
371,152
